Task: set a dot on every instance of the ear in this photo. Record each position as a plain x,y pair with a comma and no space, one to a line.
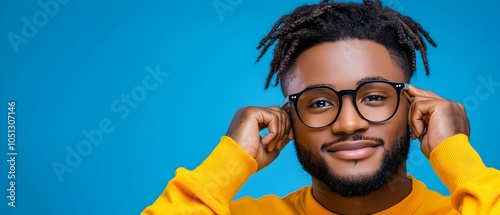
291,134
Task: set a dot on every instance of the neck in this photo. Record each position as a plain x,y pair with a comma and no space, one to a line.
386,196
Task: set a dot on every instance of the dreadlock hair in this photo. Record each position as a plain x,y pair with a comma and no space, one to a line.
310,25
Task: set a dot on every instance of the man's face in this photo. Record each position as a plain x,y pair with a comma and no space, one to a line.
363,156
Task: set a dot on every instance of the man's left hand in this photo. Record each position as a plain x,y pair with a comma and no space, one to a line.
446,118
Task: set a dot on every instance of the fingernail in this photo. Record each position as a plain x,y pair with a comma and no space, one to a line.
406,87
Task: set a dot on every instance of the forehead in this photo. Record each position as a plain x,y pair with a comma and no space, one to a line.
342,64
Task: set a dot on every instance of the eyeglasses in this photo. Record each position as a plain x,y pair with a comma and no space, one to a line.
374,101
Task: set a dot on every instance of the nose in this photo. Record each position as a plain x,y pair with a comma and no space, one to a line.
349,121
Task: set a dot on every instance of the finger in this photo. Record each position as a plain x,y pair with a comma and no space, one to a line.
415,92
285,128
288,125
418,95
426,116
276,108
419,109
411,124
269,120
279,130
414,125
281,144
286,137
421,136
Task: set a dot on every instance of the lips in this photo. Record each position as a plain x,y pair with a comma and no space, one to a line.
355,150
351,145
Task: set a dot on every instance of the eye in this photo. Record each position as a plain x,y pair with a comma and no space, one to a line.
320,104
374,98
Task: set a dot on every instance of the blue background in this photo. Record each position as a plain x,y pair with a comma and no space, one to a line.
68,76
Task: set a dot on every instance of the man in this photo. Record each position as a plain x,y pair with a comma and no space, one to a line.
344,69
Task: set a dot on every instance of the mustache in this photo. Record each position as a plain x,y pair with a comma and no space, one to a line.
353,137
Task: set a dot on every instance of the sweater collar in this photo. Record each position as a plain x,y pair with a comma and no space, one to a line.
409,204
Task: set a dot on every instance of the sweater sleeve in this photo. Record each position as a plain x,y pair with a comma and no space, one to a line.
210,188
475,188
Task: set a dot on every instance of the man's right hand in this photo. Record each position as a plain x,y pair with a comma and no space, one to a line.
249,121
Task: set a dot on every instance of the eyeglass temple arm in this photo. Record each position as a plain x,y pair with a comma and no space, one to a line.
425,117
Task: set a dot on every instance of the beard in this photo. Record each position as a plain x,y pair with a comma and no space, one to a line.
356,185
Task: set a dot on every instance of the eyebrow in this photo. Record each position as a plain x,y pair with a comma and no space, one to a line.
370,78
359,82
320,85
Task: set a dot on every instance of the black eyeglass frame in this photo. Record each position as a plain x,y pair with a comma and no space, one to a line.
294,98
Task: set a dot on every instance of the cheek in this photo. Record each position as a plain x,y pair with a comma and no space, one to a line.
301,132
402,114
398,124
310,138
299,129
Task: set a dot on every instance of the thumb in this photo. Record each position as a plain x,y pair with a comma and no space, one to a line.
413,91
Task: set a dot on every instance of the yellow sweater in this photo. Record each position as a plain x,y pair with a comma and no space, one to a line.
210,188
